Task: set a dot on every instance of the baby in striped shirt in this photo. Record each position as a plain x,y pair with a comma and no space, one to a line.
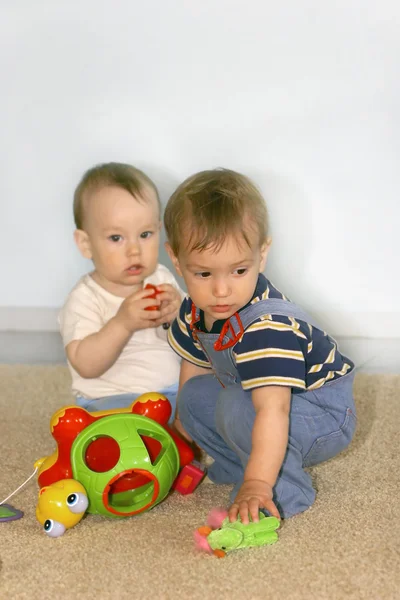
264,390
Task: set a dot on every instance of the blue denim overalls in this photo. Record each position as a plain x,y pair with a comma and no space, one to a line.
219,415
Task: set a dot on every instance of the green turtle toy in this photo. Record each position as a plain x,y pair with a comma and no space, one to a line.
220,536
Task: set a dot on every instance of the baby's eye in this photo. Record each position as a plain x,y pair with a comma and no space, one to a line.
240,271
115,237
146,234
203,275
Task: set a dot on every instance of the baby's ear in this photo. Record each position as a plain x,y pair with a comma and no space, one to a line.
82,241
264,253
173,258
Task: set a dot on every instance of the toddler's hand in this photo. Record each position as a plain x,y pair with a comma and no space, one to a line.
253,495
132,313
170,300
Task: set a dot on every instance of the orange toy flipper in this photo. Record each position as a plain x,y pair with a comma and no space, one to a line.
204,530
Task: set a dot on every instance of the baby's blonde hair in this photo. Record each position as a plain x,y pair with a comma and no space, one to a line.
114,174
211,205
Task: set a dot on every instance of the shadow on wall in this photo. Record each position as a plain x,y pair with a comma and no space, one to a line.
166,183
292,227
289,227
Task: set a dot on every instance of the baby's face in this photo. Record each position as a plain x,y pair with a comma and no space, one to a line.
220,282
123,235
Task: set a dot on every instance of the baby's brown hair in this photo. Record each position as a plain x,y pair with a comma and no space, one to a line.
115,174
211,205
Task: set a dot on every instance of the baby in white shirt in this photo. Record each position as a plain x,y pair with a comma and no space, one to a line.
114,333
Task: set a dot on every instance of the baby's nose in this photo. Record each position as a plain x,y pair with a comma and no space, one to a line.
221,288
133,249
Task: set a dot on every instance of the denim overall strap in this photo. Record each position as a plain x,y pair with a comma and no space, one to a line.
222,361
276,307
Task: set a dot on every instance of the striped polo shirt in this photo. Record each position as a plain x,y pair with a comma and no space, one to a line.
274,350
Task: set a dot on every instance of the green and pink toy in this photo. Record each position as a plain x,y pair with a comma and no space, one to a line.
220,536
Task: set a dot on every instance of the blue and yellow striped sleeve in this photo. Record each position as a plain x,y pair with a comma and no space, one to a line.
272,352
181,340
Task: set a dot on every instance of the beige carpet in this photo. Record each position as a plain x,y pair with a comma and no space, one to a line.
345,547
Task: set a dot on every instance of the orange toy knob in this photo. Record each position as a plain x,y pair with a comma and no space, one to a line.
154,406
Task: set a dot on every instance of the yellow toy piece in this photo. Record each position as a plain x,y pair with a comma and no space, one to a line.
61,505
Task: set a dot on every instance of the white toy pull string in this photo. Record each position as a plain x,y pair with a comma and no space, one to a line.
21,486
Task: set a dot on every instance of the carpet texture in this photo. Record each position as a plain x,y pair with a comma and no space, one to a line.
347,546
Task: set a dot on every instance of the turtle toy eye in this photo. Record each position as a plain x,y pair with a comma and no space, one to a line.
53,528
72,499
223,547
77,503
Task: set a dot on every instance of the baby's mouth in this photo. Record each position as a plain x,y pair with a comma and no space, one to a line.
135,269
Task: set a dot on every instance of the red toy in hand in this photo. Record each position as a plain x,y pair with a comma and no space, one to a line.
150,286
155,292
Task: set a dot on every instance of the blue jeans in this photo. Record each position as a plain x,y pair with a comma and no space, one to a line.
220,420
124,400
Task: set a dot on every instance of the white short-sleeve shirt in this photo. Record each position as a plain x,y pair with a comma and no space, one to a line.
146,364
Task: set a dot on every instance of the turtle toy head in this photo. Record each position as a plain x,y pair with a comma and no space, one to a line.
61,505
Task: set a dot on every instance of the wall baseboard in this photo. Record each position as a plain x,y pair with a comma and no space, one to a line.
31,347
15,318
372,355
30,335
45,347
376,325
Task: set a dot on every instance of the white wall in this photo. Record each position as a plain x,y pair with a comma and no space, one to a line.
301,95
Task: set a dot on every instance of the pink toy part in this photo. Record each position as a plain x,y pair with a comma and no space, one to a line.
200,540
214,521
216,516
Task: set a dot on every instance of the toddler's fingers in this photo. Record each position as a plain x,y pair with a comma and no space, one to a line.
244,512
163,287
168,315
153,317
254,508
167,290
269,505
165,297
233,512
140,294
